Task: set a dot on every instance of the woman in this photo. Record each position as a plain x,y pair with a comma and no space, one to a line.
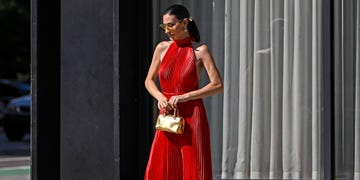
178,64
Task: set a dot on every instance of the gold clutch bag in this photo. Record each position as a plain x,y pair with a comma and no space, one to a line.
170,123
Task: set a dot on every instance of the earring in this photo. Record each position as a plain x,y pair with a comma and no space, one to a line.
186,30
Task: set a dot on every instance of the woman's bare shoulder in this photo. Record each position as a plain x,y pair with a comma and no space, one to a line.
200,49
199,46
162,46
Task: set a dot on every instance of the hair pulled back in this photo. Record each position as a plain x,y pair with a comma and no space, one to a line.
181,12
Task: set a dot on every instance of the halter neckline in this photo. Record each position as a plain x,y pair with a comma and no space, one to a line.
183,42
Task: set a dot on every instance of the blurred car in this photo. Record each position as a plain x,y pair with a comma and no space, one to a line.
16,121
10,89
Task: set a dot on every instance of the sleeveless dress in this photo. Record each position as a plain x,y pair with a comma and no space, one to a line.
186,156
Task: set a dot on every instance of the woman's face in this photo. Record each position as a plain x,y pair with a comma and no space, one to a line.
174,27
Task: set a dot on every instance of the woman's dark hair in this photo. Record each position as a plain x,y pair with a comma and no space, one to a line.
181,12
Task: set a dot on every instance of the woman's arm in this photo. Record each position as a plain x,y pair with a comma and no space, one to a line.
215,85
152,74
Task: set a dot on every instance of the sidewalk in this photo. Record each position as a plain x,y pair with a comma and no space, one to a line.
8,162
14,158
15,168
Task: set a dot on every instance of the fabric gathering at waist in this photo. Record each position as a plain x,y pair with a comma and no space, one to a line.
173,93
169,94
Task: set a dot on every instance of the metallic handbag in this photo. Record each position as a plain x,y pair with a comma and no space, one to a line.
170,123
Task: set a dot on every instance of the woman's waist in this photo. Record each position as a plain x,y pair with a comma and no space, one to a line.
169,94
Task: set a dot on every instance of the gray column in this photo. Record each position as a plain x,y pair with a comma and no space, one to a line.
89,83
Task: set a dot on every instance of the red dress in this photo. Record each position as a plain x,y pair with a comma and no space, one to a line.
186,156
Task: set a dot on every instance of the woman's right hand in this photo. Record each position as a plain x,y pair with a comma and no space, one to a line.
163,104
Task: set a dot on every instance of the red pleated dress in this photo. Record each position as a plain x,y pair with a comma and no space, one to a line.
186,156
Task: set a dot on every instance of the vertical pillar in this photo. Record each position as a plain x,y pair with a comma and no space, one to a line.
89,90
45,80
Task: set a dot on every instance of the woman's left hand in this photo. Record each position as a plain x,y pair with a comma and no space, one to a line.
177,99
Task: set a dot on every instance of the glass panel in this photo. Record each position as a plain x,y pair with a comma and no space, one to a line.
14,86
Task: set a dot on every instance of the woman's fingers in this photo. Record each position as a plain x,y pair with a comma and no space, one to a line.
163,104
173,101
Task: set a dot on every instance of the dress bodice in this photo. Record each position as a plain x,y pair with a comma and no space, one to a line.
177,73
